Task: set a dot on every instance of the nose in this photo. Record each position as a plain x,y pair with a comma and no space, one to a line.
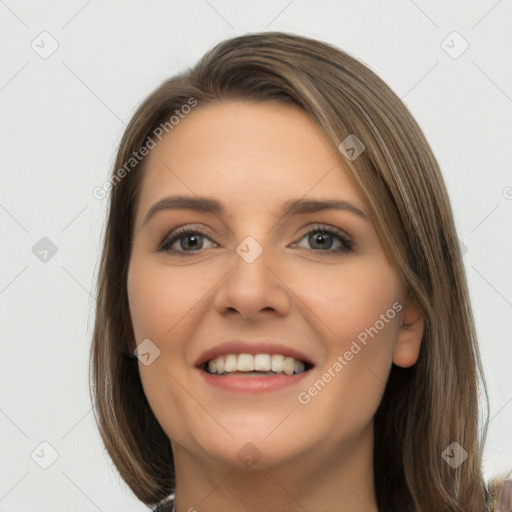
253,288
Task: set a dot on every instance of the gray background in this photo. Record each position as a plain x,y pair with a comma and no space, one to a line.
62,116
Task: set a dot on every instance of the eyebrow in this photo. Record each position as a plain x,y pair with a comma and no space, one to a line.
291,207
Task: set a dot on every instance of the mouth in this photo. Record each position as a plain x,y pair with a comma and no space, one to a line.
257,365
259,373
252,366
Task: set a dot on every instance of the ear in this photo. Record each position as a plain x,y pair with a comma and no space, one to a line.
407,347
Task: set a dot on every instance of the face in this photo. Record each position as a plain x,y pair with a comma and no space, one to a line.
313,284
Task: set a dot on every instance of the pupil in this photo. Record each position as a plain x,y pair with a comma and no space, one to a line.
194,240
321,237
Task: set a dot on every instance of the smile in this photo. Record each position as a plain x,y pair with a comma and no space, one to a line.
253,373
255,365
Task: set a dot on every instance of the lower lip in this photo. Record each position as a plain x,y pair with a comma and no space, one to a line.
251,384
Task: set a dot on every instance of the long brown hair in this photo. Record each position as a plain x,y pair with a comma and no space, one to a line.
425,408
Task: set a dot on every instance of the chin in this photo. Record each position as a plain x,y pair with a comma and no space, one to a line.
252,451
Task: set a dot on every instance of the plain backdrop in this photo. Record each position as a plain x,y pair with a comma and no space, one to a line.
71,75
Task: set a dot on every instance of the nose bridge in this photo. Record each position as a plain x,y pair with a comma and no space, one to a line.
253,261
254,233
250,250
252,284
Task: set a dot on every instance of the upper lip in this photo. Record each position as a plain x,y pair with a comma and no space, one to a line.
250,347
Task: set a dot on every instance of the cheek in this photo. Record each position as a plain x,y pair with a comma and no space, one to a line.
350,299
360,304
348,388
162,300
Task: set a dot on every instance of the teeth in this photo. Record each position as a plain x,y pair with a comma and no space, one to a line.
212,366
245,363
262,362
230,362
288,365
299,366
276,363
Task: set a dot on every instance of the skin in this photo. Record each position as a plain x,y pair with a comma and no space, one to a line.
316,456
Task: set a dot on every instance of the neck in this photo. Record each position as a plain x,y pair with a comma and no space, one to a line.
323,479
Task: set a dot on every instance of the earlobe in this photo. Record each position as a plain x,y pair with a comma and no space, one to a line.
407,347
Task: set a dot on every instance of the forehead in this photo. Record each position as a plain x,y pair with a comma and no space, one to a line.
246,154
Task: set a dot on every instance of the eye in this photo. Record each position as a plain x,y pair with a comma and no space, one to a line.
323,238
191,240
185,239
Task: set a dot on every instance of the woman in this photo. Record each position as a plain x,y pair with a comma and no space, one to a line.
283,320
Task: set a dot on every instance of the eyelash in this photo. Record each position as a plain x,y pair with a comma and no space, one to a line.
175,235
